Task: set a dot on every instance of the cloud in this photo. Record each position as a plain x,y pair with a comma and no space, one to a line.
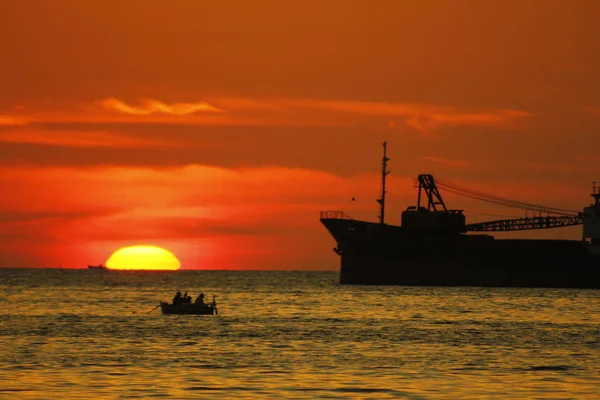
210,191
197,210
7,120
151,106
419,116
26,227
301,112
269,112
33,217
88,139
210,216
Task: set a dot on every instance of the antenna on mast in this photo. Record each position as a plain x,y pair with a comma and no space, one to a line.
384,173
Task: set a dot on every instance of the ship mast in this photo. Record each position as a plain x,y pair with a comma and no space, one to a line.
595,194
384,173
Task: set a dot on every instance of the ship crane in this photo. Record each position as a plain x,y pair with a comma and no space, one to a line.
521,224
554,217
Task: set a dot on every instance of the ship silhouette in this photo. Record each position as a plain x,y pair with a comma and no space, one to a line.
433,245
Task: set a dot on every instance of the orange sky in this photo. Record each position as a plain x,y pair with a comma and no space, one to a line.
220,130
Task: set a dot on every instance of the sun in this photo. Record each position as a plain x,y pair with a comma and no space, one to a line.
143,258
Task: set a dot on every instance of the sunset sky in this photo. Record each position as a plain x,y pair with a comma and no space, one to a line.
219,130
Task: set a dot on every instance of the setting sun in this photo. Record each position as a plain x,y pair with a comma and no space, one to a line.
143,258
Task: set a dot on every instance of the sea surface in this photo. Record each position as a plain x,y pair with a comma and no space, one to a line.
84,334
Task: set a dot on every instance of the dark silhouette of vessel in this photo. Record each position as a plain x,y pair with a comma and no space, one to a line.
434,246
99,267
190,308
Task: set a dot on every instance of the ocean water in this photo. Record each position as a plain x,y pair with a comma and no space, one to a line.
92,334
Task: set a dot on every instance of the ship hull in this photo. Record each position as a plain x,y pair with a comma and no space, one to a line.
375,254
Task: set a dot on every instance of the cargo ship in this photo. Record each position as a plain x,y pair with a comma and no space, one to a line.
434,246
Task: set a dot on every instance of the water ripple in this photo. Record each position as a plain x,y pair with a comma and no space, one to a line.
291,335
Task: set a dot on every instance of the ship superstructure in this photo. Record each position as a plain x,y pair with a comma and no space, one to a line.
434,245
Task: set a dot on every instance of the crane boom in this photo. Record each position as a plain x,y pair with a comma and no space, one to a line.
555,218
521,224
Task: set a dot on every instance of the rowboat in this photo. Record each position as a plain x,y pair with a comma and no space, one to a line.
189,308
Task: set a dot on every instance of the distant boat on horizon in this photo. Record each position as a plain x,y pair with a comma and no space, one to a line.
101,266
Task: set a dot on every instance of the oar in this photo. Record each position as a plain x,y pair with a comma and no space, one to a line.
153,309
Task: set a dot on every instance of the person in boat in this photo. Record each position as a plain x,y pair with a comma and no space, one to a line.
178,299
200,299
186,299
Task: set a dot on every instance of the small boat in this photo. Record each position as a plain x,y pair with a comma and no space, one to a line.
189,308
101,266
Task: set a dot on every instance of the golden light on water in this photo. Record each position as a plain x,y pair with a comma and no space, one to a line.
143,257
